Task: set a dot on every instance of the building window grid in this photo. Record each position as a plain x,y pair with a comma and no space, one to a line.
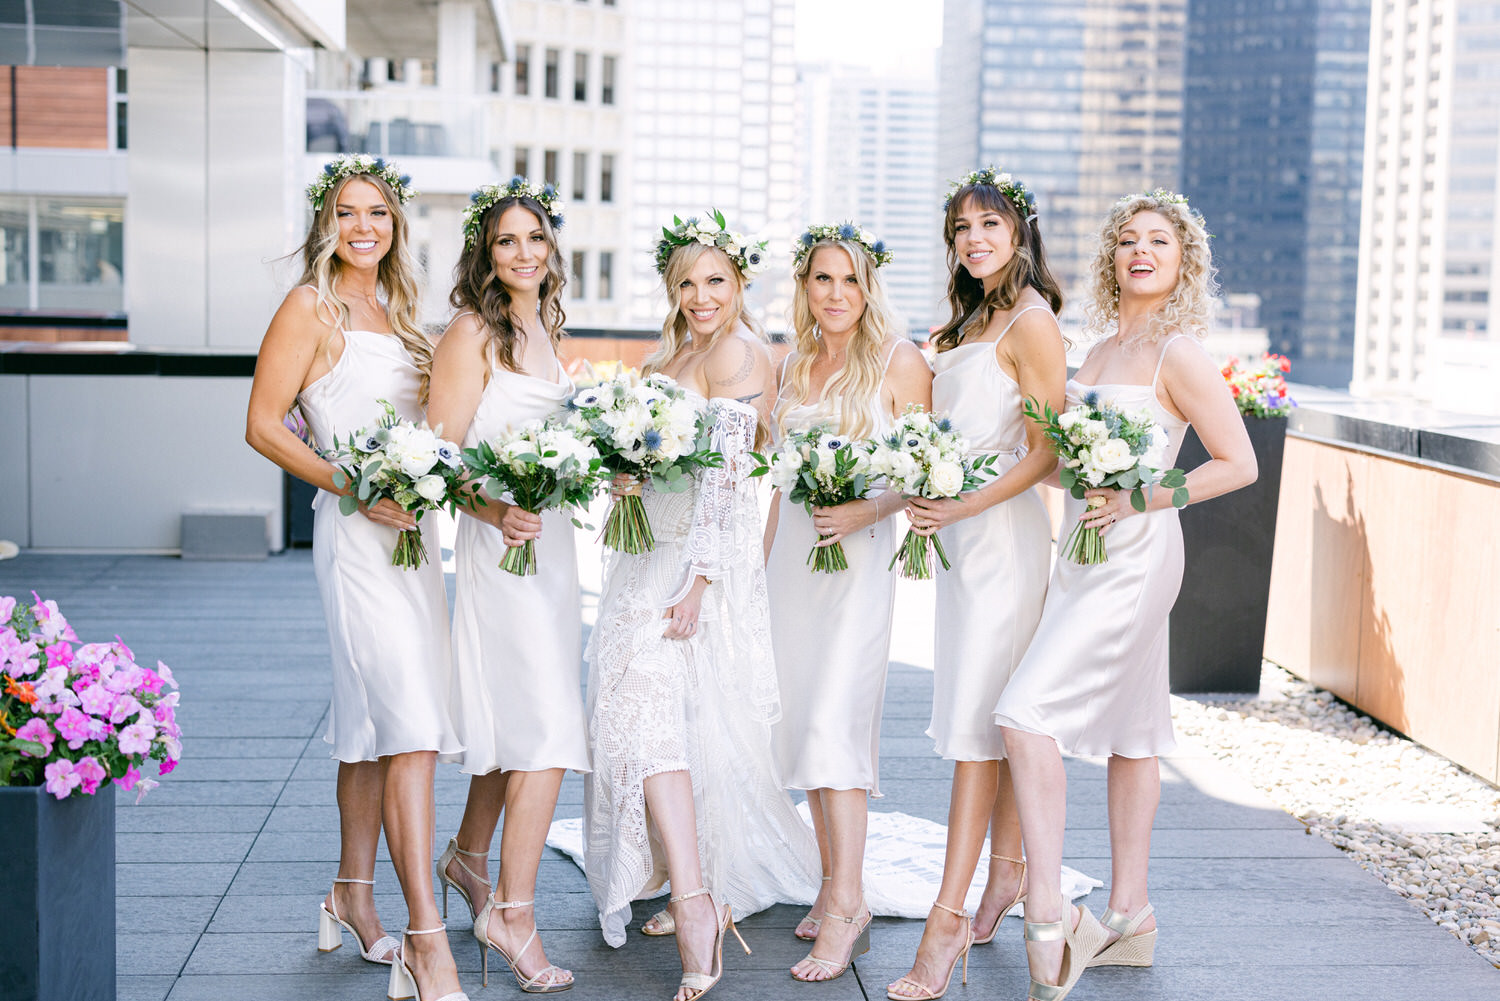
580,176
607,178
523,70
550,73
580,77
579,274
607,80
549,167
606,275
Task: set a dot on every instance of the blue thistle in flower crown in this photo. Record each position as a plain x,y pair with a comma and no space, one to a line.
353,164
847,232
749,256
480,201
1020,196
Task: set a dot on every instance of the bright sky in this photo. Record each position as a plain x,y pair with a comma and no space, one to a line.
867,32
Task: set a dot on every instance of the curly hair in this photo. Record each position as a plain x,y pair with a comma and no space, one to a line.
396,275
1189,307
857,384
967,299
478,289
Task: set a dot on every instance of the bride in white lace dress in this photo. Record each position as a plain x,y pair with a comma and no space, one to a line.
682,691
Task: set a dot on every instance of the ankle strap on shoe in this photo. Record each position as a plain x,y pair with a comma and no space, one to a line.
944,907
1006,858
688,895
827,878
424,931
462,851
827,915
501,905
1043,931
1124,926
363,882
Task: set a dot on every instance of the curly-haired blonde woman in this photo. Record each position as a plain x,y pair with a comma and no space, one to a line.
343,340
516,700
853,372
1094,680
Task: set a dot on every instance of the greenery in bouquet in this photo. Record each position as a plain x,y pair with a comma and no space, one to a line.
74,718
645,429
541,466
819,468
405,461
1104,447
1259,388
926,456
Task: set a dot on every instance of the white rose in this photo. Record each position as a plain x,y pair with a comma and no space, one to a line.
946,479
902,466
431,488
1067,419
1113,456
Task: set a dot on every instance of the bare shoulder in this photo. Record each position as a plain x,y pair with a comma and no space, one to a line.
907,362
300,317
463,339
1187,358
736,359
1033,331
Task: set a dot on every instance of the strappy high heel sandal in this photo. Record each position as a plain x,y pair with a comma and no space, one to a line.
701,983
817,923
859,948
926,993
1133,947
989,936
331,930
403,985
451,854
536,984
1081,944
665,925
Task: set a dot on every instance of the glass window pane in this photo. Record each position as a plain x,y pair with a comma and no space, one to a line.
577,275
81,256
580,176
606,274
580,76
549,82
14,258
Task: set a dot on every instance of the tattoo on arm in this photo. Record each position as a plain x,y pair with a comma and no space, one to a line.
747,365
747,399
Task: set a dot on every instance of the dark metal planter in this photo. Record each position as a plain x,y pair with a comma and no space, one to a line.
57,895
1218,625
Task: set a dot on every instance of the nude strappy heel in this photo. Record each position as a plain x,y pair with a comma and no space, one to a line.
451,854
701,983
403,985
1081,944
331,930
817,923
1132,948
860,946
926,993
989,937
540,983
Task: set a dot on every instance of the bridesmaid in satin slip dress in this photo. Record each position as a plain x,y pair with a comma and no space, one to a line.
342,340
1000,345
517,701
1094,681
852,371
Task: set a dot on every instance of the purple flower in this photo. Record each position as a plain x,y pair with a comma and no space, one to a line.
62,779
135,738
90,774
37,730
97,700
166,767
73,726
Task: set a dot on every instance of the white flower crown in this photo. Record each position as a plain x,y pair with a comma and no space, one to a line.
846,231
351,164
749,257
1019,195
517,187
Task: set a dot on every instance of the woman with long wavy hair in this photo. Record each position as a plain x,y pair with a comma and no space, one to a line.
681,690
852,372
344,339
1094,680
1000,345
516,640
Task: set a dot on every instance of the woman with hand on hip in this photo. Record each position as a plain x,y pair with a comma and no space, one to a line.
853,373
1001,345
1094,680
516,640
345,339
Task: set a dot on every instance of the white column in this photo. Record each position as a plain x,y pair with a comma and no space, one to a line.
457,31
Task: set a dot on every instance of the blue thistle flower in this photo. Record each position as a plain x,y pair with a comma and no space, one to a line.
549,191
380,163
847,232
879,247
652,440
405,179
808,239
330,169
944,424
1091,398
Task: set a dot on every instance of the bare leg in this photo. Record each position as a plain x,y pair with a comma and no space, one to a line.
530,799
1041,792
846,818
1004,881
808,926
1134,791
477,829
669,798
358,794
408,814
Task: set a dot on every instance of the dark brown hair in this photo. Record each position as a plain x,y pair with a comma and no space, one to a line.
478,289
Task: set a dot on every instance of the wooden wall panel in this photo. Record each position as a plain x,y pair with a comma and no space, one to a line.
4,105
62,107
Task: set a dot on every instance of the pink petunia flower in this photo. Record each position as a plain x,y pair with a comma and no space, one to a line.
90,774
17,657
125,707
166,767
52,625
73,726
59,655
61,778
136,738
166,674
39,731
129,779
7,607
97,700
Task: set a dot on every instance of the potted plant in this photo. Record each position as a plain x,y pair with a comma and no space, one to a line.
76,720
1218,626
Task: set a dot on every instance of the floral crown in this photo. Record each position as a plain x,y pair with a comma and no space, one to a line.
1164,196
749,257
517,187
1019,195
350,164
846,231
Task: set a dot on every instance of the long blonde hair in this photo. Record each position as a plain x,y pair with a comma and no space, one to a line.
856,386
674,329
396,274
1190,305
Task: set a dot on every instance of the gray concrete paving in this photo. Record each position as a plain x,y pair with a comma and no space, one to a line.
220,869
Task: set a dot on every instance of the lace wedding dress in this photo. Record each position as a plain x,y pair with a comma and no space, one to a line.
704,705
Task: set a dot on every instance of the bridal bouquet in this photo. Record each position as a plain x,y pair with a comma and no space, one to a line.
642,428
406,462
73,719
1101,446
818,468
1259,388
541,466
925,457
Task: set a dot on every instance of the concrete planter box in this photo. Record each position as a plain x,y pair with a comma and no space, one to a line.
57,895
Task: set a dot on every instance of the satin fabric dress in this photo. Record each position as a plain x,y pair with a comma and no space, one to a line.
1095,676
387,626
517,641
831,633
990,600
703,705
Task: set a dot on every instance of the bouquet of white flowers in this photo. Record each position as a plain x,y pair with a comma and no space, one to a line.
925,456
542,466
642,428
1102,446
818,468
404,461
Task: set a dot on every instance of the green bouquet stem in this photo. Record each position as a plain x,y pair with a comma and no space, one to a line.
627,530
828,559
1085,545
916,553
410,552
520,560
